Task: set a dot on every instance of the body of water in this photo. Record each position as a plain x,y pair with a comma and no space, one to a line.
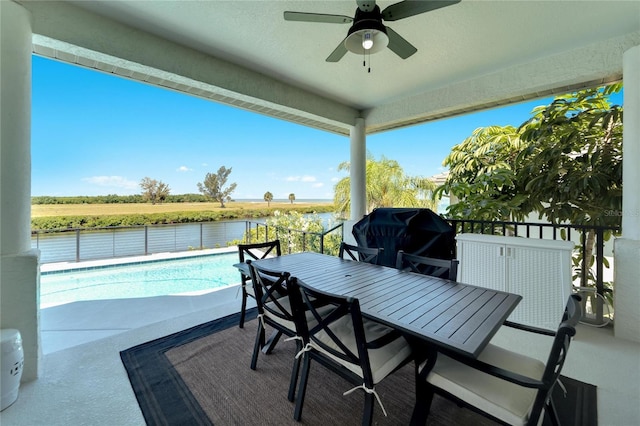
195,274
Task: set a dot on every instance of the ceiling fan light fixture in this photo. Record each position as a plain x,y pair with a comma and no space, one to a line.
367,40
366,36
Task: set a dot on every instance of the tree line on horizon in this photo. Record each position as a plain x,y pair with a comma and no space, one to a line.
115,199
156,192
213,188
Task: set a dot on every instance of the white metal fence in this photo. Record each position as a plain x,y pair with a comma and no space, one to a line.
76,245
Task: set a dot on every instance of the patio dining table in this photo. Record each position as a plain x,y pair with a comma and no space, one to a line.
433,313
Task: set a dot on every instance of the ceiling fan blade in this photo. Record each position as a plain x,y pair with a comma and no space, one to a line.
338,53
317,17
408,8
400,46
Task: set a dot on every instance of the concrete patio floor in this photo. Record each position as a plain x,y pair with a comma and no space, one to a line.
83,381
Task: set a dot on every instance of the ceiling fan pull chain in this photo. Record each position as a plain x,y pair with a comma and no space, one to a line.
366,55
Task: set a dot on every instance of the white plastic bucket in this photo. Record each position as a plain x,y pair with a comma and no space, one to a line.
11,365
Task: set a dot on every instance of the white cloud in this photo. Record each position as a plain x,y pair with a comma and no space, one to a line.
335,179
318,185
111,181
184,169
305,178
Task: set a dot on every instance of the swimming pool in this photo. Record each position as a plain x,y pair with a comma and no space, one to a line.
197,274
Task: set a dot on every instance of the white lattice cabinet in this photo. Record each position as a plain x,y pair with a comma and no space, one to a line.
538,270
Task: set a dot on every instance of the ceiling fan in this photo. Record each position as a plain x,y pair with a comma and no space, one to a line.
367,33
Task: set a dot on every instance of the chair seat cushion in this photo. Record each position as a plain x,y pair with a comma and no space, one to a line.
249,289
284,302
383,360
506,401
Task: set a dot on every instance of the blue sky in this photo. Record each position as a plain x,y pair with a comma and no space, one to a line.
98,134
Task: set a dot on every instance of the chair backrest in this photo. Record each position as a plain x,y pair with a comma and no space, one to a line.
428,265
320,316
558,354
270,288
361,254
258,250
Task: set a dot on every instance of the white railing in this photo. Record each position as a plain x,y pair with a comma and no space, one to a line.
75,245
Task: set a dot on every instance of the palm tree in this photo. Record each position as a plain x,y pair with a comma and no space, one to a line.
386,186
268,197
292,197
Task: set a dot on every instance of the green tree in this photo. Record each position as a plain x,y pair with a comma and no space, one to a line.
386,186
482,175
572,166
163,192
564,163
214,186
268,197
154,190
292,197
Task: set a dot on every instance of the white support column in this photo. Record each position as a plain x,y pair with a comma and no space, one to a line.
19,268
358,170
627,248
631,144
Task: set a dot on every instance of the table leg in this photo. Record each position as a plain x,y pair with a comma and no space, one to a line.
425,359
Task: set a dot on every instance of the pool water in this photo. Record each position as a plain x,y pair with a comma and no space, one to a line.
198,274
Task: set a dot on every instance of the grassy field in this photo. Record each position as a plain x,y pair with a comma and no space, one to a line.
46,210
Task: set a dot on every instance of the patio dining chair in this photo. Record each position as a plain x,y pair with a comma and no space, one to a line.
361,351
253,252
274,309
427,265
506,386
358,253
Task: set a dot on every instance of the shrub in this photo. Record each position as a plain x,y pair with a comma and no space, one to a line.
296,232
73,222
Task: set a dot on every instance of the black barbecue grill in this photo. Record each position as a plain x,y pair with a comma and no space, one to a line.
416,231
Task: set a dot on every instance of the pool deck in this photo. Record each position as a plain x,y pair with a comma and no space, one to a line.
72,324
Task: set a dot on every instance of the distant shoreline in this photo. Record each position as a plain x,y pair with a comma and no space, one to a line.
232,209
171,198
284,200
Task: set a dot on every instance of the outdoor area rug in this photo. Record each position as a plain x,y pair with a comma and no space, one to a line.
201,376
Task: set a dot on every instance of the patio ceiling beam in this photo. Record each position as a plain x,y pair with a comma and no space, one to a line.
71,34
596,64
